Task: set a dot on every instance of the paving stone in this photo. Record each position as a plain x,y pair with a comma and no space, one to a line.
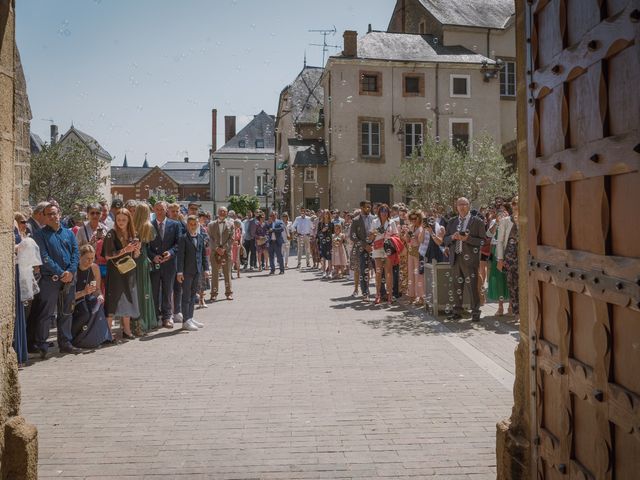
293,379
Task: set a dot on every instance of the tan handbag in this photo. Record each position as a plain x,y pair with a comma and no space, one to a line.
125,264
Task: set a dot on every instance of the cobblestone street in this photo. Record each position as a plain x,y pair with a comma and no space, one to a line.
293,379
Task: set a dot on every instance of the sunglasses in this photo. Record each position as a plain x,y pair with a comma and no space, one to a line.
95,213
23,222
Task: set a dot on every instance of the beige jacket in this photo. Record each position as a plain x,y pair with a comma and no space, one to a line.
217,240
504,229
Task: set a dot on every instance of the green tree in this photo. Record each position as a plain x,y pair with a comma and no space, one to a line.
440,172
68,173
241,204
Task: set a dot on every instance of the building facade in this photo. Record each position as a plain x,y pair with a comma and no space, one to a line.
244,165
487,28
302,175
385,92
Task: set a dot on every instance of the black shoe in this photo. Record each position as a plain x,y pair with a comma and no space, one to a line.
272,273
454,316
475,317
43,353
70,349
281,273
127,336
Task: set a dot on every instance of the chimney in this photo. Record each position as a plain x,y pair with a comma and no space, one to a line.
350,43
229,127
54,133
214,129
186,159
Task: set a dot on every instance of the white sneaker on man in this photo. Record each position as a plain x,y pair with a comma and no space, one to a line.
177,317
196,323
188,325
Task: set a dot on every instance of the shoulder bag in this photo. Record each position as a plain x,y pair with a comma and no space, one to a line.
125,264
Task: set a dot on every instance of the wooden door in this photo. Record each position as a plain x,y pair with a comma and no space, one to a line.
583,140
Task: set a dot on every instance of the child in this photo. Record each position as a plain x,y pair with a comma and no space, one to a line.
338,253
192,261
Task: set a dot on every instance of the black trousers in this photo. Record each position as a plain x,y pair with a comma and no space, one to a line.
162,281
250,247
177,297
365,266
190,287
52,296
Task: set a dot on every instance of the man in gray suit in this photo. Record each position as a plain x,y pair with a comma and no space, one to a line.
221,240
360,229
464,236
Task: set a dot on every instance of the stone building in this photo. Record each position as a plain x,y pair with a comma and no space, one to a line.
18,440
302,178
484,27
245,163
387,90
22,116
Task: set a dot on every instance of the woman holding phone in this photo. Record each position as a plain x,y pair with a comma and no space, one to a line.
121,292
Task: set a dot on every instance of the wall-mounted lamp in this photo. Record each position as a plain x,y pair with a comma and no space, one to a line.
491,71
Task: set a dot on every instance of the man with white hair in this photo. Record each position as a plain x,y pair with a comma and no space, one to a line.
221,240
37,219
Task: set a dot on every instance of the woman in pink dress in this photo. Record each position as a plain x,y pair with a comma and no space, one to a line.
414,237
235,248
338,252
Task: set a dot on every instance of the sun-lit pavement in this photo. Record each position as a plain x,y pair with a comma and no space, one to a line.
293,379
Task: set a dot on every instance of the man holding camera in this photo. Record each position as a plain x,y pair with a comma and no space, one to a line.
464,236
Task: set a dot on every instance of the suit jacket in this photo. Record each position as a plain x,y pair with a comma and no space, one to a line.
225,240
192,260
470,248
276,227
169,243
32,226
359,233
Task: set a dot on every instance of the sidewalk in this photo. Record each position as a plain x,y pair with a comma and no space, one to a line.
293,379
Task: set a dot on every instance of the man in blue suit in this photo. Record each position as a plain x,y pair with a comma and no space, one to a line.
275,230
192,261
162,253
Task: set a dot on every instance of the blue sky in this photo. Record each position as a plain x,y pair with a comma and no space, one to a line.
142,76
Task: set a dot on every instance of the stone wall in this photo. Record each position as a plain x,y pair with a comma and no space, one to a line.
18,440
22,119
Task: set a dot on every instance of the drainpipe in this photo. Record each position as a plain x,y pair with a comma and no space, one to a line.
436,109
488,43
329,150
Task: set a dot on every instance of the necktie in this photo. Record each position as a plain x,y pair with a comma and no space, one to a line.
161,230
459,242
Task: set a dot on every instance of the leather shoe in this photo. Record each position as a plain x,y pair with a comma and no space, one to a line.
454,316
475,317
70,349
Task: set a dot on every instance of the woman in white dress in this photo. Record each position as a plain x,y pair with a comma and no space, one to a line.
383,228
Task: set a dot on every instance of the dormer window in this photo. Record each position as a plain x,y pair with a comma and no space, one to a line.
242,144
259,143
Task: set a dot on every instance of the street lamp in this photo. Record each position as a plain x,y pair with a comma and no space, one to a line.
266,192
214,187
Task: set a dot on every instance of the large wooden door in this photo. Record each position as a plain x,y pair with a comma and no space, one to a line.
583,140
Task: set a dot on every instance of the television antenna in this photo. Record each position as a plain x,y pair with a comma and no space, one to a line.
325,46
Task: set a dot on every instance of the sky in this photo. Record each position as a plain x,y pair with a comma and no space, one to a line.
141,76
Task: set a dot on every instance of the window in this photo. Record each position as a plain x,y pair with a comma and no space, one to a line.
422,27
460,86
260,184
379,193
460,131
370,83
259,143
370,141
508,79
412,85
412,137
310,175
233,183
242,144
312,204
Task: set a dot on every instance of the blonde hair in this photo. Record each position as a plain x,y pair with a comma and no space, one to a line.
87,248
131,231
142,223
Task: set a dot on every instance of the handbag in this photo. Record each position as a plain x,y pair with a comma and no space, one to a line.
261,241
125,264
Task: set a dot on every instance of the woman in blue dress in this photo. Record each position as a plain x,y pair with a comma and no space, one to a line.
89,325
20,328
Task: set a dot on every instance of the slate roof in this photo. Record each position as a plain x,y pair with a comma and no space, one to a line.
89,141
414,48
185,165
261,127
472,13
306,96
35,142
308,153
189,177
127,175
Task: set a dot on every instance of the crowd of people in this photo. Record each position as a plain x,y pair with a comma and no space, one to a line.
150,266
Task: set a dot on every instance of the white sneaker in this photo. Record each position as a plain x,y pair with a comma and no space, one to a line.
177,317
188,325
196,323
